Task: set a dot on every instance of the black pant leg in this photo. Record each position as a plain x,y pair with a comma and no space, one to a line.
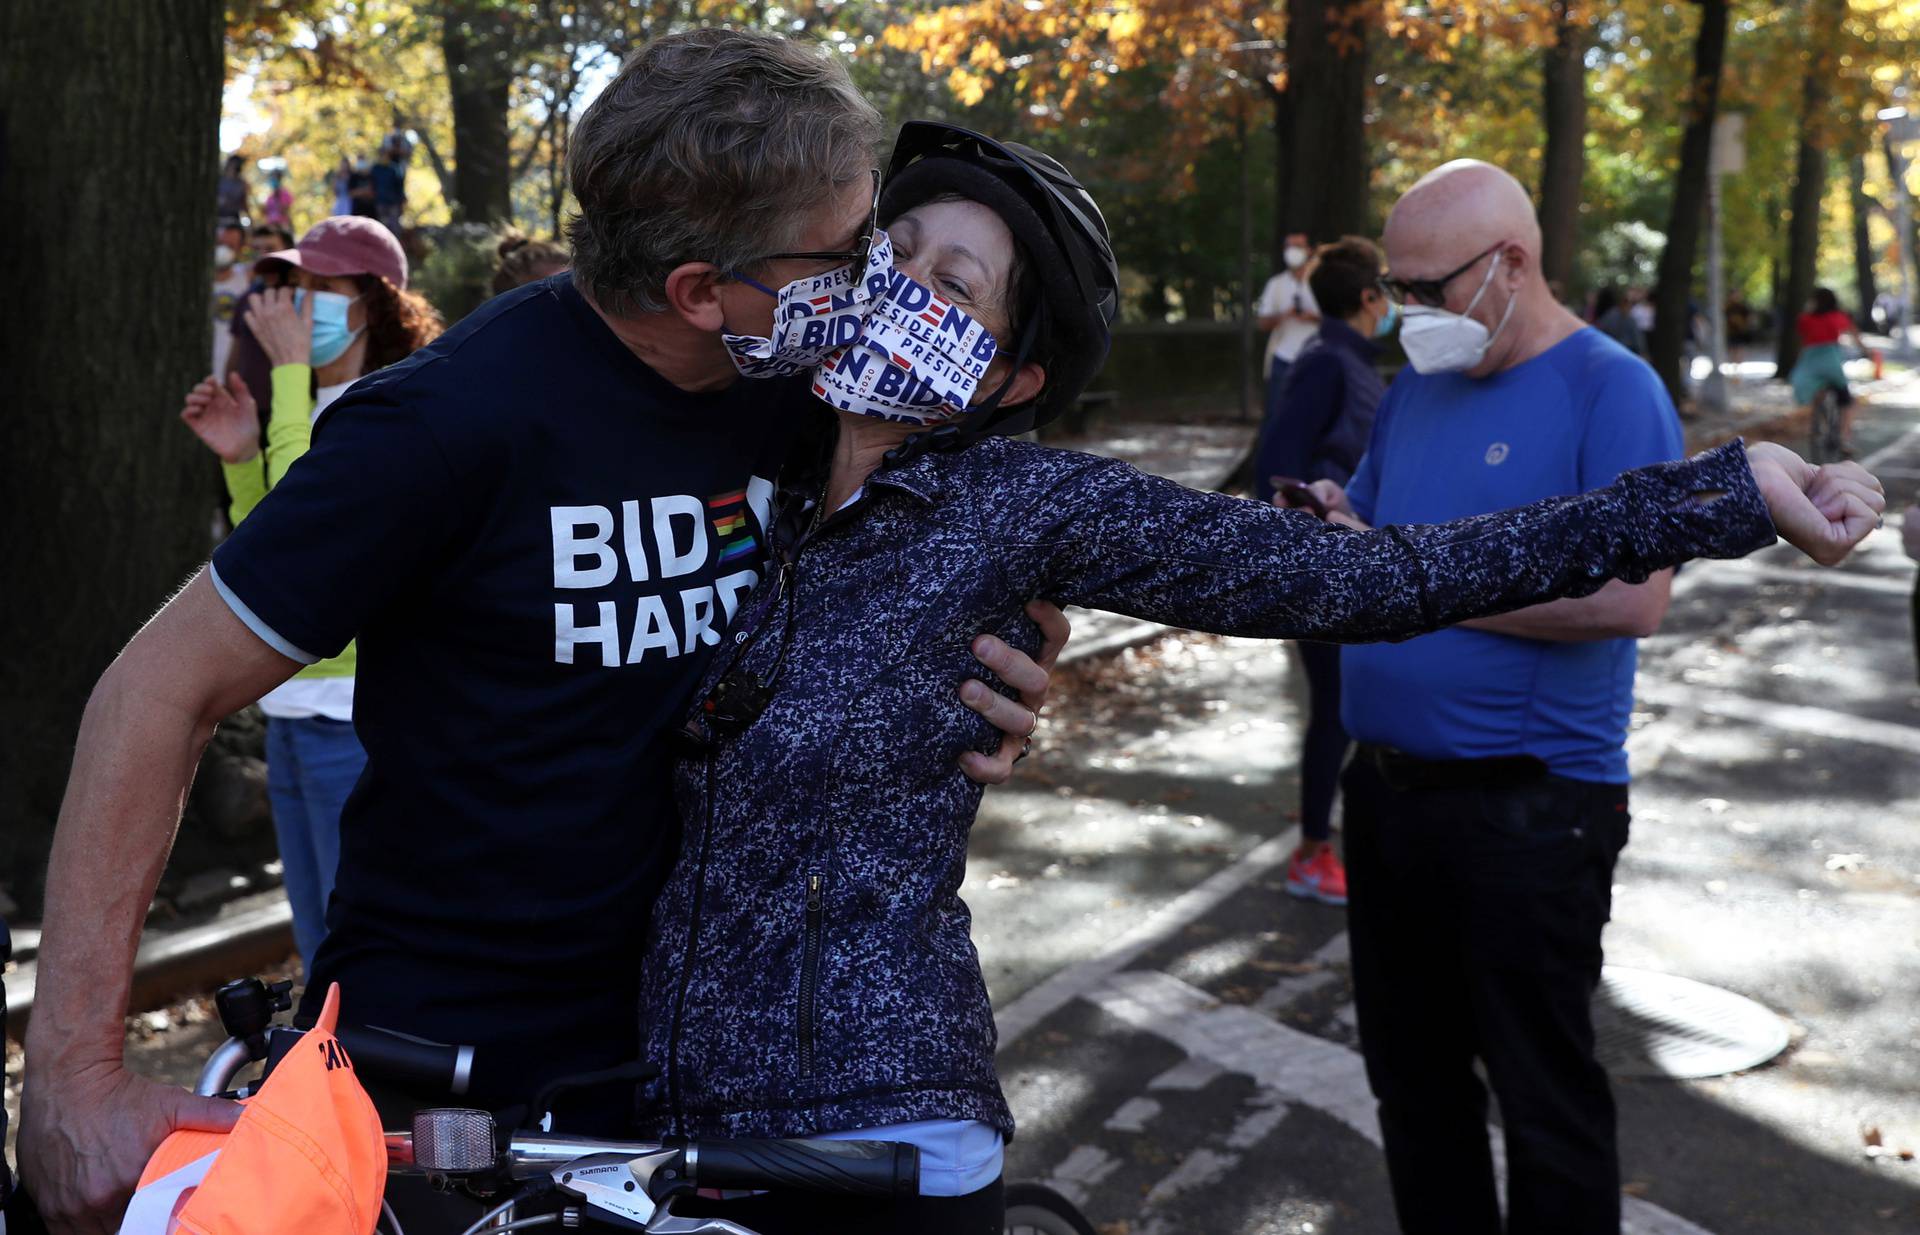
1416,1025
1324,746
1916,623
1543,869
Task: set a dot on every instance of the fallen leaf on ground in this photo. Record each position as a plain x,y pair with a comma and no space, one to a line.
1292,967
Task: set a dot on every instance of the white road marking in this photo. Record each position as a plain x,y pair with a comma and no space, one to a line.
1290,990
1190,1075
1817,577
1133,1115
1787,717
1085,1169
1898,444
1076,980
1297,1066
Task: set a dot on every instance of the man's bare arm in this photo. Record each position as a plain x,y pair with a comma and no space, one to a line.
1617,611
87,1126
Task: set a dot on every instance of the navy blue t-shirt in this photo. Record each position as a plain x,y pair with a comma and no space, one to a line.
1446,446
537,541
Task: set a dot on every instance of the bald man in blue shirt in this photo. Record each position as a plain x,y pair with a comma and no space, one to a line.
1487,799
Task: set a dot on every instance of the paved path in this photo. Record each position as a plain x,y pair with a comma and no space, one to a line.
1177,1034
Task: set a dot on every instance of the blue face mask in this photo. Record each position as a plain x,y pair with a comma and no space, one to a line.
331,334
1384,327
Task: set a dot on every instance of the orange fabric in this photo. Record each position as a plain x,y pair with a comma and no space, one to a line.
308,1154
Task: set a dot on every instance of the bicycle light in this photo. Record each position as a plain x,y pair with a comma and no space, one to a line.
453,1140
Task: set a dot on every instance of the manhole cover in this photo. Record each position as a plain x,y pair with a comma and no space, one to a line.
1654,1024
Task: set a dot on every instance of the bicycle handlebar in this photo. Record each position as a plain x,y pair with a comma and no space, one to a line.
453,1142
383,1054
412,1063
844,1168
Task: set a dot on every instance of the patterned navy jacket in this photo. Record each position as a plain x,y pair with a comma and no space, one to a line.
809,966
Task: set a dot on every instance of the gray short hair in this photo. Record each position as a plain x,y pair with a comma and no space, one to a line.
712,145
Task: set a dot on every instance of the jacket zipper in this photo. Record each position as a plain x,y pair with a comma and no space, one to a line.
810,967
686,965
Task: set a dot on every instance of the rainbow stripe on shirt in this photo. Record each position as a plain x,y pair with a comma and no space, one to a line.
729,514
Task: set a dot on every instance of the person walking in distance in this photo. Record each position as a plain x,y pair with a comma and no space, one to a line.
1486,804
1288,314
1318,432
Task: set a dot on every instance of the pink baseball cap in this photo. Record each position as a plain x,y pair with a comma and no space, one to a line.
346,244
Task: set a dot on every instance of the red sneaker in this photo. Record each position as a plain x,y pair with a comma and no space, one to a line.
1321,878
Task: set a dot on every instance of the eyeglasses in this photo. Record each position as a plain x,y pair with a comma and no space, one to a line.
1431,292
855,257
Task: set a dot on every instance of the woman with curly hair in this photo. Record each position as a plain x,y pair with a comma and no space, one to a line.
347,313
520,259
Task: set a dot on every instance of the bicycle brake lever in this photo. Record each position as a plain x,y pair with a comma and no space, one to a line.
670,1223
618,1185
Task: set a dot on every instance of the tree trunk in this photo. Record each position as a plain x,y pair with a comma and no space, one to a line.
110,161
1810,179
1866,290
1675,284
478,41
1565,161
1320,122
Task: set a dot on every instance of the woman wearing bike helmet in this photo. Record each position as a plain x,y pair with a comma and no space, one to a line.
810,964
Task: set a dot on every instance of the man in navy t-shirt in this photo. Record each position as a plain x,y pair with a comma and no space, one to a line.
537,529
1487,801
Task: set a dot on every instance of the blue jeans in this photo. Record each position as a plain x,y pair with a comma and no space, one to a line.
312,764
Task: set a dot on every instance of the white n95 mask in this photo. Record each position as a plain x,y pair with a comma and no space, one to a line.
1439,341
917,360
813,316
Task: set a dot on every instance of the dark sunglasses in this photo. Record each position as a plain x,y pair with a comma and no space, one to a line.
855,257
1431,292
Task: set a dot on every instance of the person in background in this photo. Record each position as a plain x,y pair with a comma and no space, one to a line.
350,314
244,355
1822,363
340,184
1288,315
1640,305
277,209
1486,805
232,199
1910,541
1325,414
520,260
389,178
231,277
1613,317
360,193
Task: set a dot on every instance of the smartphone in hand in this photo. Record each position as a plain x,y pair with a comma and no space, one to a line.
1296,493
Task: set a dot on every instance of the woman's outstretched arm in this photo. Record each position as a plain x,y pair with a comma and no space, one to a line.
1106,536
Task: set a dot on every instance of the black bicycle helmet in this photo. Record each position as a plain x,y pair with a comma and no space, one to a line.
1062,233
